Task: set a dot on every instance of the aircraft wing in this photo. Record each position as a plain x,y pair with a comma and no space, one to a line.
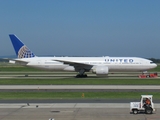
76,64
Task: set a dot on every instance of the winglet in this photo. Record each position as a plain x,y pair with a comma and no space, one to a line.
22,51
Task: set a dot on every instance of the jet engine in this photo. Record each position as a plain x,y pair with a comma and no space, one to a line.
101,70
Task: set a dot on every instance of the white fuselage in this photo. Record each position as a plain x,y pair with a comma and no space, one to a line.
114,64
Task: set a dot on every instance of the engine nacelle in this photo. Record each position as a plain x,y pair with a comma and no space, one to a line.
101,70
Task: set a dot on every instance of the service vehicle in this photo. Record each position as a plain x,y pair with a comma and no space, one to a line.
146,105
150,75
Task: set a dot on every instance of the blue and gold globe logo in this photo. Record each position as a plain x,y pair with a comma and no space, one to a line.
24,52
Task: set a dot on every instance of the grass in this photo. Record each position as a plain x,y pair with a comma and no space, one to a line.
75,95
75,81
17,68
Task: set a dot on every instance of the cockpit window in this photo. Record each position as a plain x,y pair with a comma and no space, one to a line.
151,62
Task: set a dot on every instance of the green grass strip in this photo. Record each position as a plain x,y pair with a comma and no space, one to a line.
83,81
76,95
17,68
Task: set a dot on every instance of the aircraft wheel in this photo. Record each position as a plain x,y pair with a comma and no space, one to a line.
78,76
85,75
81,76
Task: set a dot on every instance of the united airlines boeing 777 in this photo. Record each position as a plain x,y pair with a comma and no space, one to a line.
101,66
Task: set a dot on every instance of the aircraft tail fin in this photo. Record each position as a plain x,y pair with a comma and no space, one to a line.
22,51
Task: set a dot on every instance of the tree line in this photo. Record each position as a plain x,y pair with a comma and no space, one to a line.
155,60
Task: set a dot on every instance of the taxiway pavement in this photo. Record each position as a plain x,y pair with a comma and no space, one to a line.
70,87
73,111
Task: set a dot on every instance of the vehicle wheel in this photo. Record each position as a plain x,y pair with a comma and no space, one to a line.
148,76
148,110
135,111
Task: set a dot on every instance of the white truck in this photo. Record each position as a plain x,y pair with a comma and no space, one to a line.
145,105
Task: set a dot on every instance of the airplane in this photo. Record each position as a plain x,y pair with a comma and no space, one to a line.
100,66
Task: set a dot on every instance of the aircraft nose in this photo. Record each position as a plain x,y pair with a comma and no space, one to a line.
154,65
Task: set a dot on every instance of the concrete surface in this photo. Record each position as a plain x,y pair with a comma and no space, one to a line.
72,111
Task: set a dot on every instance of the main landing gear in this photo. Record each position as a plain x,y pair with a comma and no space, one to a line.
81,74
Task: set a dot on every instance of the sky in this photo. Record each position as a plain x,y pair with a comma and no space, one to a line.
117,28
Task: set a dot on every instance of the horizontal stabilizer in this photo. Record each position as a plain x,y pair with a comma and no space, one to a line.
19,62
